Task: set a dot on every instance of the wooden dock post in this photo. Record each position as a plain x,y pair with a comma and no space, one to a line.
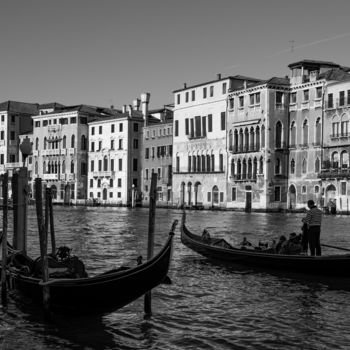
43,244
52,225
4,239
150,245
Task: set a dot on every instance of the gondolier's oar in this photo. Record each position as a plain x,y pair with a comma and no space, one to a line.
335,247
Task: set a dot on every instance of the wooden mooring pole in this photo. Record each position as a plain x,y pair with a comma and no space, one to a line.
150,246
43,244
4,239
52,225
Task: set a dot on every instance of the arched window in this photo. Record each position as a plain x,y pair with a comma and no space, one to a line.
203,162
246,139
37,143
199,169
72,142
261,165
344,159
215,192
344,126
236,141
257,139
221,162
239,169
208,162
263,136
250,169
278,166
44,167
255,168
64,142
251,139
72,167
230,141
105,163
305,133
36,167
293,135
56,142
335,126
303,189
317,165
335,160
45,142
212,162
55,168
83,143
278,135
304,166
194,163
318,132
244,170
83,168
189,163
240,146
232,167
63,167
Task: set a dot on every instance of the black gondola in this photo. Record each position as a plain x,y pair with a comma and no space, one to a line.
102,293
220,250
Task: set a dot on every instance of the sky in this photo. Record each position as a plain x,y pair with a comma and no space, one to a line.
107,52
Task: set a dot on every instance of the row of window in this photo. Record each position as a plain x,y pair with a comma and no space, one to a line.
340,101
13,118
62,121
53,167
148,175
161,132
54,143
102,164
208,91
12,135
203,163
162,151
111,183
100,128
112,145
104,194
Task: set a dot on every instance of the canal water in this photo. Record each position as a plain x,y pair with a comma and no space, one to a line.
207,306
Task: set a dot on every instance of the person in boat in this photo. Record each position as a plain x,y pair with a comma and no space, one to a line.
293,245
313,219
206,236
245,243
304,241
280,244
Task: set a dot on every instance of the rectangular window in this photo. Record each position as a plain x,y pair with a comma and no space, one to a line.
223,120
231,103
251,99
306,95
176,128
112,164
257,98
136,143
348,97
186,126
178,99
45,123
120,162
159,173
318,92
120,144
330,101
234,194
147,135
110,194
100,129
193,95
177,164
277,193
1,159
241,101
153,149
92,165
192,127
111,183
12,135
92,147
112,144
2,135
147,153
224,88
205,92
209,197
211,91
100,165
73,120
83,120
120,127
279,98
119,182
37,124
198,126
204,126
221,197
99,145
119,195
93,130
187,96
210,123
112,128
343,188
341,98
136,127
293,97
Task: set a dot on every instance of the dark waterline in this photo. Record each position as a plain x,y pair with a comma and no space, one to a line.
208,306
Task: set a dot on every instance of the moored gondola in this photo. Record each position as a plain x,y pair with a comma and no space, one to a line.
220,250
102,293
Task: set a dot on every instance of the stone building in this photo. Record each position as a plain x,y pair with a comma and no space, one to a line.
115,155
334,176
310,127
199,143
257,126
60,152
157,148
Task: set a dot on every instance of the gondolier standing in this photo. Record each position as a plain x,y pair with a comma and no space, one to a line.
313,220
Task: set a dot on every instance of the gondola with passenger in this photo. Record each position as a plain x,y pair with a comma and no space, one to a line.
222,251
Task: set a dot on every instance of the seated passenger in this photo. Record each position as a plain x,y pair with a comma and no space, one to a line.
206,236
245,243
280,243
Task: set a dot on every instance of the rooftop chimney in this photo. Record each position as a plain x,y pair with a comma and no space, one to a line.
144,106
129,108
136,104
185,86
219,76
245,84
124,109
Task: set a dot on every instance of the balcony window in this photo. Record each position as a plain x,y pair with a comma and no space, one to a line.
318,92
330,101
305,95
293,97
341,98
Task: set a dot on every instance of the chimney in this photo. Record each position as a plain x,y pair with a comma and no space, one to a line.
185,86
124,109
245,84
129,109
218,76
136,104
112,107
144,105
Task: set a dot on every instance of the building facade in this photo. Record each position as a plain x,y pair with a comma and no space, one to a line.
257,125
157,146
60,152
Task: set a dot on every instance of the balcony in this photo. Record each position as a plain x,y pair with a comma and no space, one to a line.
343,135
2,143
194,137
70,177
35,153
280,146
245,149
13,165
318,103
335,173
305,105
244,177
293,107
70,151
54,128
102,173
50,176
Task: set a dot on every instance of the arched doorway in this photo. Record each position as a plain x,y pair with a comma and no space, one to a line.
54,191
67,194
292,197
104,194
189,191
182,193
215,195
331,193
198,196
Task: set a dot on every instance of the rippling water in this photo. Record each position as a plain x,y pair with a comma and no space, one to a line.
208,306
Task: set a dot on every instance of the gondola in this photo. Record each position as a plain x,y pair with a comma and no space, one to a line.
102,293
221,251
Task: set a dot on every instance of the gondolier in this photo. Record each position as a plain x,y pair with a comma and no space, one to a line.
313,219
